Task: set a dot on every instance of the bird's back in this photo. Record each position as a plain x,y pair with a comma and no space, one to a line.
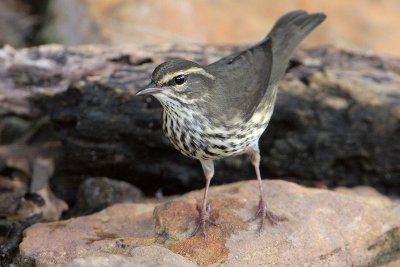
248,79
241,100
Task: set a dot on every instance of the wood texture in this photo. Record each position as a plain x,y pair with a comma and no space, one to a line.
336,121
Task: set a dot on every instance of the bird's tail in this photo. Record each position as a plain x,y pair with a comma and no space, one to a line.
287,34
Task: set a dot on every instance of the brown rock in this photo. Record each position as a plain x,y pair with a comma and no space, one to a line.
358,23
324,228
148,256
97,193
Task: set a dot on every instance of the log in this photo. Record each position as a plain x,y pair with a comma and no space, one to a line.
336,120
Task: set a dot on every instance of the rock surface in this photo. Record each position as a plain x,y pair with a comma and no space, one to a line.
324,228
146,256
97,193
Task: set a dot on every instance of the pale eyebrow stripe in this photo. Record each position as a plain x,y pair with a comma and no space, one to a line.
167,77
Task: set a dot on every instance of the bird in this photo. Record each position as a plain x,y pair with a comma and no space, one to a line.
222,109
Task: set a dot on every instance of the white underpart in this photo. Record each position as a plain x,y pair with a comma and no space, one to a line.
235,144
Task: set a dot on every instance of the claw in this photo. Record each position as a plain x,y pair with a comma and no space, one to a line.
263,213
203,222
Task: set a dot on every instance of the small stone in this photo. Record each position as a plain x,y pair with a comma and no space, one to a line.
97,193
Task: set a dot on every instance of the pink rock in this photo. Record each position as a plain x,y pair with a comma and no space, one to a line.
324,228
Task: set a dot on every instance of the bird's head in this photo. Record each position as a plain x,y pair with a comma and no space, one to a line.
178,80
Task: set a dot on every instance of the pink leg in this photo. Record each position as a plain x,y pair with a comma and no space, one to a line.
262,211
205,210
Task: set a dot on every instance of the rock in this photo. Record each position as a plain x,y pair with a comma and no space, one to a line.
324,228
10,237
97,193
147,256
119,22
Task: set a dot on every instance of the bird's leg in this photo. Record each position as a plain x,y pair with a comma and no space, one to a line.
262,211
205,209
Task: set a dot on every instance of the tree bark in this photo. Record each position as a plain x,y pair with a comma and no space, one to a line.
336,119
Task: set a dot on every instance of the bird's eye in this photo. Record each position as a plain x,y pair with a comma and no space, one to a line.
180,79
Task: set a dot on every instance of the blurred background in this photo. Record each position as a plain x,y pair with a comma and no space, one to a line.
358,24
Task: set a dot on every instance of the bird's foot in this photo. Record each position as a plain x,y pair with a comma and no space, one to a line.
263,213
204,221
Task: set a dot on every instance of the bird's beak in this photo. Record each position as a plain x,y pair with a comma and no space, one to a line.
151,89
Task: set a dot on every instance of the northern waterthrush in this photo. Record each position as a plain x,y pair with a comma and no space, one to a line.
223,108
